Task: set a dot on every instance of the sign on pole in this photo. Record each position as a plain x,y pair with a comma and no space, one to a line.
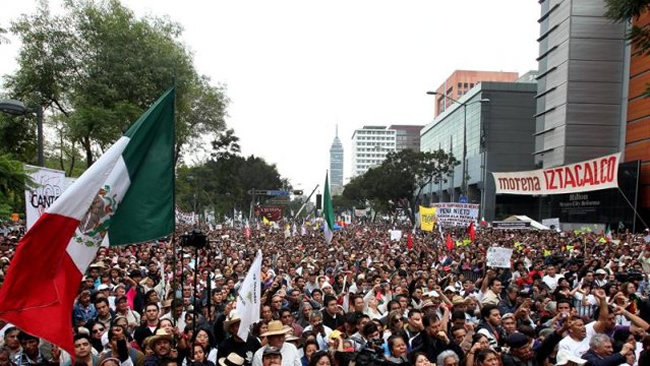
499,257
49,185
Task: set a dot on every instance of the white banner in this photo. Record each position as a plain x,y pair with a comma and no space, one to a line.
49,185
585,176
248,298
499,257
452,214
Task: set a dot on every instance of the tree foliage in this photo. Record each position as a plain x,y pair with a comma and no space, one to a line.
639,35
398,182
97,67
222,183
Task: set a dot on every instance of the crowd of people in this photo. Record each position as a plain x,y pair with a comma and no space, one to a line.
568,298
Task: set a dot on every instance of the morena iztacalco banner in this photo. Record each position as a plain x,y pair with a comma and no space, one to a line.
585,176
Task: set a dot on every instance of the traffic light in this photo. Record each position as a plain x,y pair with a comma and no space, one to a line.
319,201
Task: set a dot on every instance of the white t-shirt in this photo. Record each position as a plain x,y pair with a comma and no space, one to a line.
551,282
574,347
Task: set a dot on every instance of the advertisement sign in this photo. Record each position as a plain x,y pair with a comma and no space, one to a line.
427,218
585,176
49,185
450,214
499,257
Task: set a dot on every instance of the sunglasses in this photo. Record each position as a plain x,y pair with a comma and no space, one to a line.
98,330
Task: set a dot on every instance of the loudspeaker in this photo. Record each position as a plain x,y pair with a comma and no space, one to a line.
319,201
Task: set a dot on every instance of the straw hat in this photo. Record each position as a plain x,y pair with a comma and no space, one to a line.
232,318
160,335
276,328
233,359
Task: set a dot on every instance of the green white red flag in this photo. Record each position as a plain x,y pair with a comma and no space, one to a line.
126,196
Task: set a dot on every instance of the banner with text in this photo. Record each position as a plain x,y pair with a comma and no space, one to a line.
49,184
427,218
589,175
451,214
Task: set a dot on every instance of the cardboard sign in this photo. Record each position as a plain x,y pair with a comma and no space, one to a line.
499,257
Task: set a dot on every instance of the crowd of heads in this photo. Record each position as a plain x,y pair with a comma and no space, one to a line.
566,298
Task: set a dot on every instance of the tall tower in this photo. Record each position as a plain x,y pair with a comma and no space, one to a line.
336,165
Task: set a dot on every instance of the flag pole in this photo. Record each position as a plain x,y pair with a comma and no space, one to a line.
636,213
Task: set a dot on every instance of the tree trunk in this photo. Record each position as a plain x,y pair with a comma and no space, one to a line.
89,153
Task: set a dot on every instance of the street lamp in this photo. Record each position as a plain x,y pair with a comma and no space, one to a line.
17,108
463,186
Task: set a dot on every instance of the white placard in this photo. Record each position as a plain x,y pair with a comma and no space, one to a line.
49,185
499,257
395,235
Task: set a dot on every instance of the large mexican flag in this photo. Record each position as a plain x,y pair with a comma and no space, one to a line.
126,196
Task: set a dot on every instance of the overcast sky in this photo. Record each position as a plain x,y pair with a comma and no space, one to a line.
294,69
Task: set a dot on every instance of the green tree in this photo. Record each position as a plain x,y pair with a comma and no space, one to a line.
100,66
639,36
397,183
13,179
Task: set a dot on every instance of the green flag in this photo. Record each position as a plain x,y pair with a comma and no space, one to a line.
328,213
147,210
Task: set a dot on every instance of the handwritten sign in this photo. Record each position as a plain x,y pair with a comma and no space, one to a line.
499,257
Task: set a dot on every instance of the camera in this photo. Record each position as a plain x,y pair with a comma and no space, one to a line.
195,238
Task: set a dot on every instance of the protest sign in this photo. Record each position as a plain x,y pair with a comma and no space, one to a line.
49,185
454,214
585,176
499,257
395,235
427,218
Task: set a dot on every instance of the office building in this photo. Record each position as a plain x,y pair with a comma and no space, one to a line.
407,137
336,165
370,145
580,83
498,137
462,81
637,137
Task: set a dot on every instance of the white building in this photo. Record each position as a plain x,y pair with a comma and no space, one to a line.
370,145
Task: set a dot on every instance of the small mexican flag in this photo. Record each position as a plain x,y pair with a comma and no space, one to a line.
608,233
126,196
328,213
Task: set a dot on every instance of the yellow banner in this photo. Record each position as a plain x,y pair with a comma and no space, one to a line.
427,218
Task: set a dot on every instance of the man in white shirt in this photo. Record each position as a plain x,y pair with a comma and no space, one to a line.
551,278
576,343
321,330
276,335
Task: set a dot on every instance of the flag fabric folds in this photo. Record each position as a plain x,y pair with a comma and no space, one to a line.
427,218
449,242
126,196
328,213
608,233
248,299
471,230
